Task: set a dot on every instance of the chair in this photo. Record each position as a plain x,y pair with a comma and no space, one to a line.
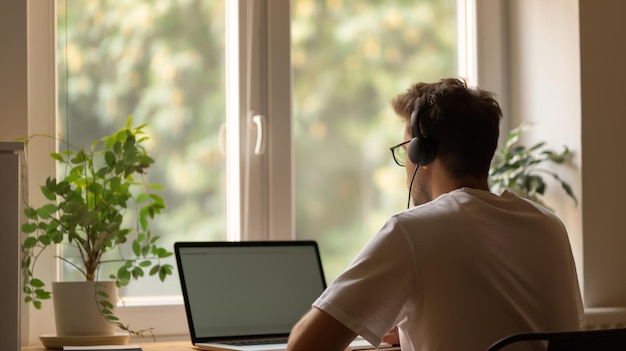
582,340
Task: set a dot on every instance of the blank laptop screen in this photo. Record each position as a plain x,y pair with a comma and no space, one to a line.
235,289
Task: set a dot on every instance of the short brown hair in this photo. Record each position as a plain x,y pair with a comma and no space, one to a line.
463,122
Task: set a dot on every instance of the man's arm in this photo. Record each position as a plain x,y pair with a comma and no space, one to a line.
317,330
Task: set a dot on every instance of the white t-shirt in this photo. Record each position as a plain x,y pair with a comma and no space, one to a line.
459,273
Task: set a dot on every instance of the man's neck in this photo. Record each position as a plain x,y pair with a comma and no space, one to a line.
444,183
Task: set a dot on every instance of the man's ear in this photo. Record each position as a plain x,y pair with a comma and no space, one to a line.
429,167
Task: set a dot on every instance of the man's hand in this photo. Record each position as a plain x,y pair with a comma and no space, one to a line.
317,330
392,337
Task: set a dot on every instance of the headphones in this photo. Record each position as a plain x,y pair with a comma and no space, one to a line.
421,150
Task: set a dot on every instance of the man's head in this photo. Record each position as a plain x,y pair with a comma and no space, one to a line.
459,125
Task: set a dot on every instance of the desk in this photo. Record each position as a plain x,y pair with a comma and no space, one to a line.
163,346
147,346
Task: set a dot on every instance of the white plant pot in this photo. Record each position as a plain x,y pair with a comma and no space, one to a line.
76,310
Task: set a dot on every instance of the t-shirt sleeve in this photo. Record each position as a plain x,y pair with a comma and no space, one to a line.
371,295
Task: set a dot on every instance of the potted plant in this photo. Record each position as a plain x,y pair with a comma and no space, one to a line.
88,209
518,168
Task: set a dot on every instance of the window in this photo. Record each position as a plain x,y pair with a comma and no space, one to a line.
165,63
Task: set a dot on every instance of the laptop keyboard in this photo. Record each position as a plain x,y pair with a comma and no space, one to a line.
257,342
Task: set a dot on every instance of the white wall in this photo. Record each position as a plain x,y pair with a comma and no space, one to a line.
544,87
603,75
13,93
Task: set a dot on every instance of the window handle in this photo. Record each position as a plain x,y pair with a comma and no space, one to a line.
259,122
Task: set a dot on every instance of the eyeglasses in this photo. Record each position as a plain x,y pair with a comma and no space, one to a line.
399,153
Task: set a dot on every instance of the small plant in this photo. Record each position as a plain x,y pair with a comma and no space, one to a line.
86,210
518,168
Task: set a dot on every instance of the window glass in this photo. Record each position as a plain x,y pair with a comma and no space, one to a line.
350,58
161,61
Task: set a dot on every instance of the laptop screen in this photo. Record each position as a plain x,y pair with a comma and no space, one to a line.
234,289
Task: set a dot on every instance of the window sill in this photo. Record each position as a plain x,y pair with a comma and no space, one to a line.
165,315
605,317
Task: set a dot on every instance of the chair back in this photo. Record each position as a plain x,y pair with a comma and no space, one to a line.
581,340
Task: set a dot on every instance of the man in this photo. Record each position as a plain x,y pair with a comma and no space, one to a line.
463,268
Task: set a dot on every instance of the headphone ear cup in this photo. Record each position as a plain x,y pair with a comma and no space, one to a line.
420,151
415,151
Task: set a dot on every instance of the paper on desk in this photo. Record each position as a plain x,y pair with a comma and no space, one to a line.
104,347
361,344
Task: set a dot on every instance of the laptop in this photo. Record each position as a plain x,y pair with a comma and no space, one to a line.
247,295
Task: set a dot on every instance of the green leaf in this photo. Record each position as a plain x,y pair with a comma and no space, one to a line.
137,273
156,187
79,157
155,269
143,217
37,283
537,146
44,240
95,188
142,198
105,304
41,294
163,253
45,211
129,121
123,274
30,213
136,248
157,199
57,156
48,193
29,228
75,176
165,271
569,191
110,158
30,242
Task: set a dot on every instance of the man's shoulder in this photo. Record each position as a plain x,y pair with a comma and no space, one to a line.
471,203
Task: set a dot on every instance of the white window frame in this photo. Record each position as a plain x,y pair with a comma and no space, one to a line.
42,107
266,180
267,183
